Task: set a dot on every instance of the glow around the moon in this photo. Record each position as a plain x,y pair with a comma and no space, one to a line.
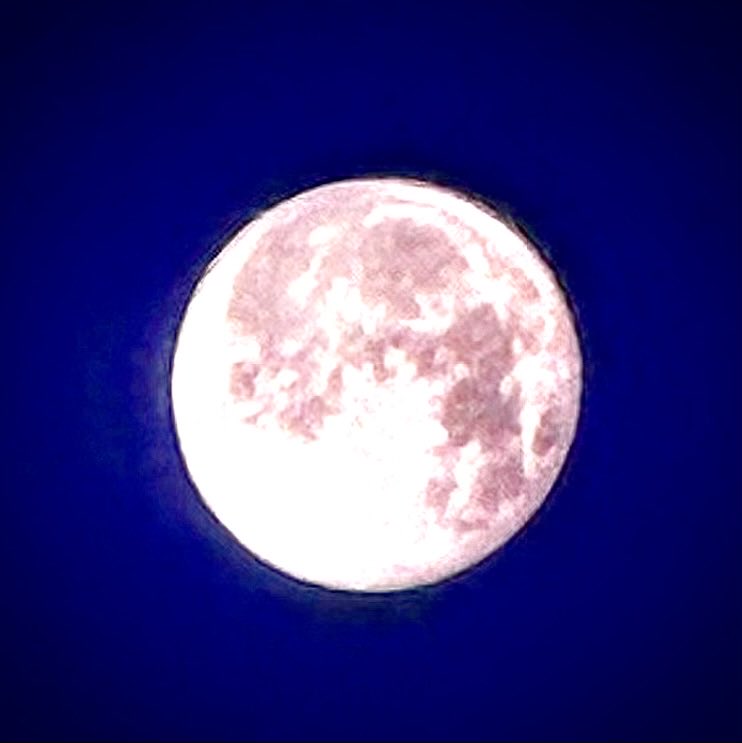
375,384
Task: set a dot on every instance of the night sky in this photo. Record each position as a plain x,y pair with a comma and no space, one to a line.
137,137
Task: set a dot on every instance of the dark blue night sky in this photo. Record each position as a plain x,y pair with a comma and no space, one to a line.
138,136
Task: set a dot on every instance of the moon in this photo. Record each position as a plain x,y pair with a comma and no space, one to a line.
375,384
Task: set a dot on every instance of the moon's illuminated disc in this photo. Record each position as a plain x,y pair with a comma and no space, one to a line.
375,384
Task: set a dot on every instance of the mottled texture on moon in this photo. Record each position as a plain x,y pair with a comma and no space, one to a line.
376,384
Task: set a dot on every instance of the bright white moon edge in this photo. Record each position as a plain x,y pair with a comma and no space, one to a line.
330,514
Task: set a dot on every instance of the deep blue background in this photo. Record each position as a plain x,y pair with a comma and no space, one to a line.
135,139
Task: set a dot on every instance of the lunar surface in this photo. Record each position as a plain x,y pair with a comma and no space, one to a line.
375,384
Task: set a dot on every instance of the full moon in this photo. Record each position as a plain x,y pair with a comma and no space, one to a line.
376,383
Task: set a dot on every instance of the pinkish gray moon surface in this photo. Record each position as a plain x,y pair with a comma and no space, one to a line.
376,383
